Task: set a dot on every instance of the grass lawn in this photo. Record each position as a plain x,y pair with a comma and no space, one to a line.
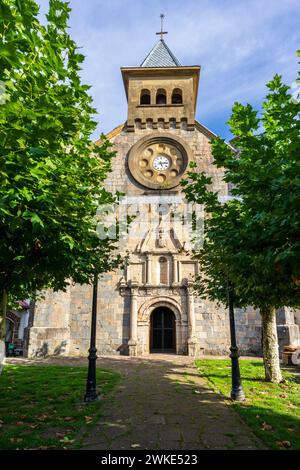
272,411
41,407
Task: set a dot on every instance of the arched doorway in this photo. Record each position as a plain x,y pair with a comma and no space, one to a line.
162,331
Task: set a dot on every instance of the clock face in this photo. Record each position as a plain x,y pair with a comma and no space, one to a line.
161,163
158,162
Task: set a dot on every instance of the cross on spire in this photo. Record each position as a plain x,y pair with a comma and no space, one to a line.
162,32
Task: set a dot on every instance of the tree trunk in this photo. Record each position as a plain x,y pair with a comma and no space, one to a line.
3,308
270,345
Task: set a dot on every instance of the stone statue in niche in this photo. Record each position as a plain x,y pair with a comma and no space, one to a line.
161,241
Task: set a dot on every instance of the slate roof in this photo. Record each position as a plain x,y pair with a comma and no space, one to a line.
160,56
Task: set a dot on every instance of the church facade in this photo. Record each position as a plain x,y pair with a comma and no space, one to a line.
150,305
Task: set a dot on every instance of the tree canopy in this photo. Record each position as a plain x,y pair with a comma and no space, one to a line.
253,239
51,172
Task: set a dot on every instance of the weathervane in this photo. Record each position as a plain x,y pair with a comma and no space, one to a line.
162,32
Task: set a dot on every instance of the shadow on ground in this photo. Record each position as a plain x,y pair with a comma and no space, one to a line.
161,403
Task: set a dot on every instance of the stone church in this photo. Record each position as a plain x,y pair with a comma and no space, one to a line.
150,305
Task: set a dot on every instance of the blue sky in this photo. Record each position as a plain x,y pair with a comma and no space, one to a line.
240,45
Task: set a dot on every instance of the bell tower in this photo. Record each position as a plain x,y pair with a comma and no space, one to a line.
161,93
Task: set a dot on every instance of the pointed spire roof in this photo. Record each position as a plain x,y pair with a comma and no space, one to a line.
160,56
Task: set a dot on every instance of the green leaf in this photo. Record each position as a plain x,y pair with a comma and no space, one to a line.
36,220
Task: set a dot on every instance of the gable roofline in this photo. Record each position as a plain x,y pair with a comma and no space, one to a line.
207,132
200,127
116,131
210,134
113,133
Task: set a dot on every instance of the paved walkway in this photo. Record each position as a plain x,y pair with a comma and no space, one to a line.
162,403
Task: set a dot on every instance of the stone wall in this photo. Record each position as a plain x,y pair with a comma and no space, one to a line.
50,331
248,331
62,320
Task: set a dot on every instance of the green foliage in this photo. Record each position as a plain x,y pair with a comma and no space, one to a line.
253,239
51,173
42,406
271,410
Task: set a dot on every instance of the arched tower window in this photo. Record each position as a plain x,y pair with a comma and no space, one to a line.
177,96
161,97
145,97
163,270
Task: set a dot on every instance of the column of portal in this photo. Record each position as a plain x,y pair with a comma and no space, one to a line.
132,343
192,341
